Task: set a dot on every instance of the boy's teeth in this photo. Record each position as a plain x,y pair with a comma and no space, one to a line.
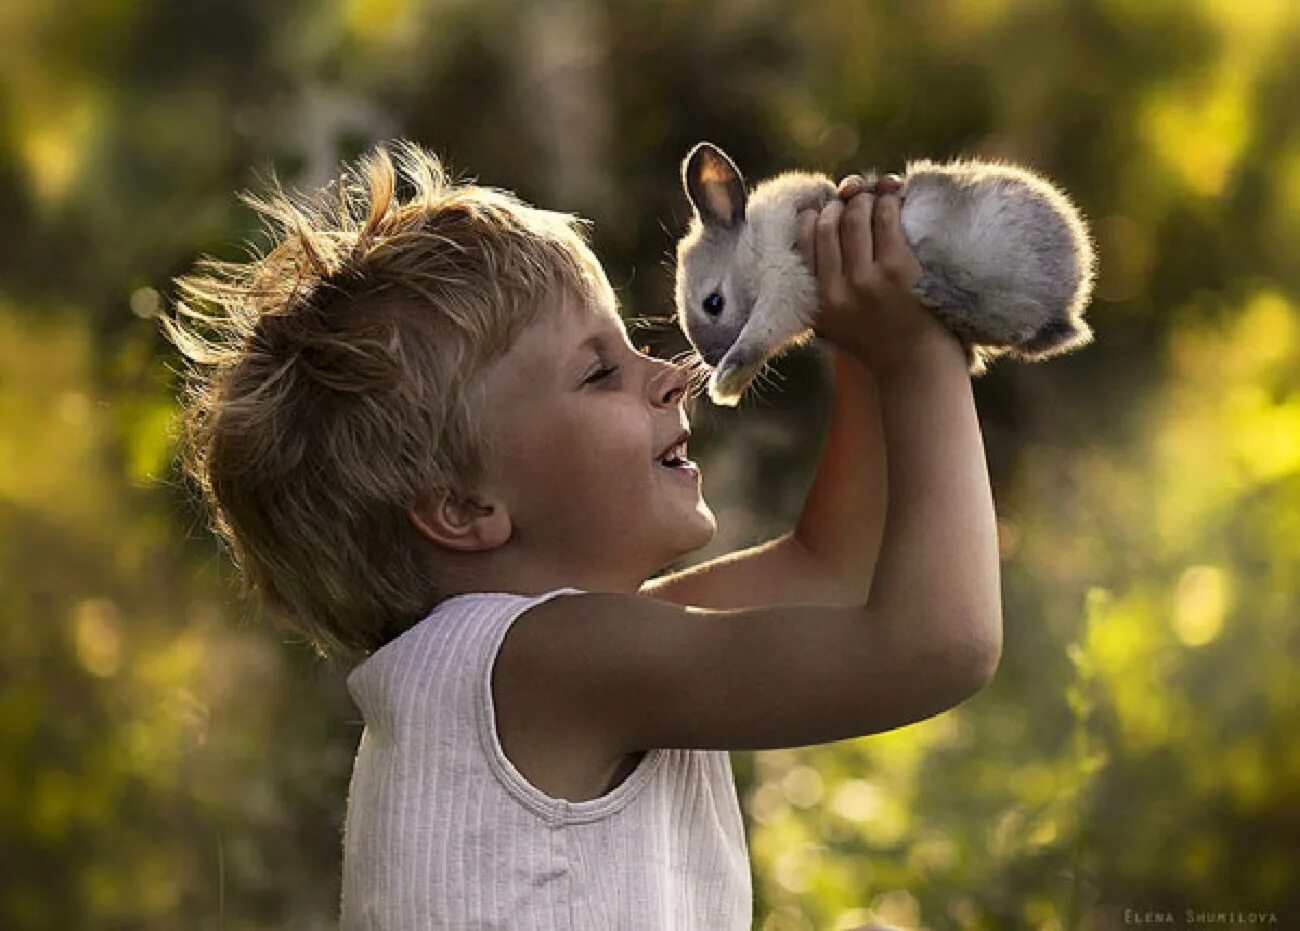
678,452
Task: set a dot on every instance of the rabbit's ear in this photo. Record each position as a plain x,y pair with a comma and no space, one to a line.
714,186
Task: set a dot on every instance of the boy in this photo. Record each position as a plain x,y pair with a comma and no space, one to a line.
420,423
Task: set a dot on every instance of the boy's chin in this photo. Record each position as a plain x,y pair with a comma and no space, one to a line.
691,538
704,527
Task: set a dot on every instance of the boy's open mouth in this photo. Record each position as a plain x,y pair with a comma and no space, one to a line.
674,457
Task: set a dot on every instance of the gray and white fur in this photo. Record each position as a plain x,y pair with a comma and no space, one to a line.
1007,262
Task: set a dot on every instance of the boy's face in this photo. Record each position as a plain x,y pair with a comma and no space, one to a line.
580,418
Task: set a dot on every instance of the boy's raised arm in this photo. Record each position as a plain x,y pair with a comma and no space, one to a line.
842,522
939,555
939,552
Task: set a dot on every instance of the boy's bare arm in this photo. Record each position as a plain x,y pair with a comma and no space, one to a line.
939,550
939,553
842,523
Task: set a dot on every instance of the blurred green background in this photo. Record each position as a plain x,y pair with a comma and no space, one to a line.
166,761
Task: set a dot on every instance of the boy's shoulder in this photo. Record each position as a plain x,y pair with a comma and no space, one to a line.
555,747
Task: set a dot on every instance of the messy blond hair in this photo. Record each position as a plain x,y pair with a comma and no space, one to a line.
334,381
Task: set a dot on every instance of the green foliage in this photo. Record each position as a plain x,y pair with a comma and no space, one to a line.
169,763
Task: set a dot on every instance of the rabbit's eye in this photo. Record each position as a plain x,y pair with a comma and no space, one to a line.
713,303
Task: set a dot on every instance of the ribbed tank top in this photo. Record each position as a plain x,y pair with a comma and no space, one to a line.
442,832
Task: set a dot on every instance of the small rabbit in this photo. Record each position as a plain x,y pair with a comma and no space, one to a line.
1007,262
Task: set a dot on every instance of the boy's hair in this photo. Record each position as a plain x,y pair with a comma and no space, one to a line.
335,381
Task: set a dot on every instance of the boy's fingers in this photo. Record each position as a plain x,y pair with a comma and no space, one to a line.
806,238
829,261
856,236
852,184
890,243
889,184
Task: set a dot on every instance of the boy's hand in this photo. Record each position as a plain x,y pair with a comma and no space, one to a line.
865,273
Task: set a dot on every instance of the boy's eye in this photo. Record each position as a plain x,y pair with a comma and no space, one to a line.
603,373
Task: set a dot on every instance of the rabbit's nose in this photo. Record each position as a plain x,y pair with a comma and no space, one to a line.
713,354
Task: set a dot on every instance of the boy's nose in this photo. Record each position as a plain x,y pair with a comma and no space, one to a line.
671,384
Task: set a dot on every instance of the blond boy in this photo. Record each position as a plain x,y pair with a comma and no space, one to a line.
433,452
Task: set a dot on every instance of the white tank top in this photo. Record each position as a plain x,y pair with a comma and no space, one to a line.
442,832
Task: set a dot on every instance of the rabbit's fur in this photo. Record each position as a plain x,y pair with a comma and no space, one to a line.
1007,262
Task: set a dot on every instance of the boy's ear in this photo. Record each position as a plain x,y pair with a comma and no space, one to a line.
714,186
461,522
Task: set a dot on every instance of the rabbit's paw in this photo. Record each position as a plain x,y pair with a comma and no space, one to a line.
729,381
1055,337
